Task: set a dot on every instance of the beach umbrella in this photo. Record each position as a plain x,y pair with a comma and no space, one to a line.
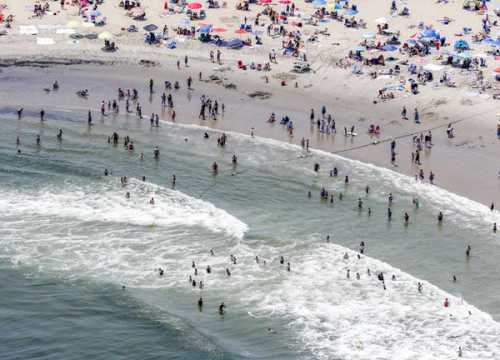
319,3
194,6
381,21
461,45
497,70
105,35
390,48
73,24
150,27
218,30
429,33
284,2
205,29
265,2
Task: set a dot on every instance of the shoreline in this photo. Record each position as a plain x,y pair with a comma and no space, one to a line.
462,152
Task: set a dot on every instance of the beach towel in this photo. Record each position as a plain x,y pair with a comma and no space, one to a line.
44,41
28,30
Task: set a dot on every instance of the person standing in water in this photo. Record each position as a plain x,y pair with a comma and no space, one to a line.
42,115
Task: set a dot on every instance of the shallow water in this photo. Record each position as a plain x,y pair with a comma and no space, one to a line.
66,225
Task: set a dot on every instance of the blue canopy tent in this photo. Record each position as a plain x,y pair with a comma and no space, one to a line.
461,45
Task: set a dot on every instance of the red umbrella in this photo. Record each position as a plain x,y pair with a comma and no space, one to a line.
265,2
194,6
241,31
285,2
218,30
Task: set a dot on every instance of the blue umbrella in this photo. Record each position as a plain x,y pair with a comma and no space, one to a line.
205,29
390,48
430,33
319,3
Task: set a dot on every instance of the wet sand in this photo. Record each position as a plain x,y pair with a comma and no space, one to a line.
466,165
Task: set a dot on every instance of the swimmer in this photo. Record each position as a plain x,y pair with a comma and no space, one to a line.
209,269
222,306
407,218
440,217
106,172
389,214
288,267
360,204
212,252
495,228
468,250
215,168
59,135
20,113
327,238
228,273
18,141
152,201
200,303
127,195
369,211
454,279
160,271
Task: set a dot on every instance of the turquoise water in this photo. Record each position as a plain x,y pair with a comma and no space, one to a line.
70,240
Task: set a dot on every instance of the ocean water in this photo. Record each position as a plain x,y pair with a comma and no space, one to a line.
79,260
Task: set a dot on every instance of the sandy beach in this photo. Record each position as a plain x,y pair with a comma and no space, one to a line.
465,164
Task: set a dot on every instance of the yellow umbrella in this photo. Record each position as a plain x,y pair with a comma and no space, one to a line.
105,35
73,24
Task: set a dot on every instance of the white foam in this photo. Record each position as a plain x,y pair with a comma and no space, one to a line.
106,202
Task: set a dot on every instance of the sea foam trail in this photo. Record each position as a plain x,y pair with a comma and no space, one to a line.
106,202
